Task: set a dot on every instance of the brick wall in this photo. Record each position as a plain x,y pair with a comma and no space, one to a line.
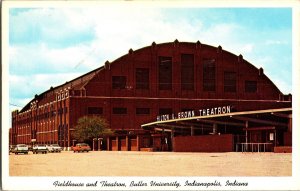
287,139
205,143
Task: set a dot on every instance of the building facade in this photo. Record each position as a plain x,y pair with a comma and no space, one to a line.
152,84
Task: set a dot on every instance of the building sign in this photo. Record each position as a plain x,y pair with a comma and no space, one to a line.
271,136
193,113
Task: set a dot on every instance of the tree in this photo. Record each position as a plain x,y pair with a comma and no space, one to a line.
89,127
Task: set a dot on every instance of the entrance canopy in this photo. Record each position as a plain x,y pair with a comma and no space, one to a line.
234,121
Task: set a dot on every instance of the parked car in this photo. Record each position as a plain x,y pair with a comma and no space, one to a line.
20,148
11,148
30,147
54,148
40,148
81,147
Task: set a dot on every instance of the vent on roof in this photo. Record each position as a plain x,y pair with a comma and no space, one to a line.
260,71
153,44
219,49
176,42
130,51
198,44
240,58
107,65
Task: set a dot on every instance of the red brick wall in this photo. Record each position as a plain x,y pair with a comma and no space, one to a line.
133,143
287,139
99,92
123,144
114,146
157,143
205,143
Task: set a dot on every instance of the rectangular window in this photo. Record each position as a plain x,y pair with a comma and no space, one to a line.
119,110
250,86
165,73
164,111
118,82
187,71
229,82
77,92
142,111
142,78
209,75
95,110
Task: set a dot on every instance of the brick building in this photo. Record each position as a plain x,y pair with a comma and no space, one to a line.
163,97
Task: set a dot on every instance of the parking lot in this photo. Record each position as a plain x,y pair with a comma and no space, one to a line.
123,163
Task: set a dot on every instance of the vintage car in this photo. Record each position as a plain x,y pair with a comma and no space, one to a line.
54,148
40,148
20,148
81,147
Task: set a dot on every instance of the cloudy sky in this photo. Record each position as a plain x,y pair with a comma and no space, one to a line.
49,46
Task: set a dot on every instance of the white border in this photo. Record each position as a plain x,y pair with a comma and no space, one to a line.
255,183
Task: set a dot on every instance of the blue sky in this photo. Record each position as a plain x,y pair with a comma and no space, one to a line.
49,46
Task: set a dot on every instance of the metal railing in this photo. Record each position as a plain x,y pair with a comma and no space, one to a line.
252,147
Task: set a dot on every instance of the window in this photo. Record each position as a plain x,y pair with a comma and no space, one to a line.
209,75
229,82
118,82
187,71
142,78
165,73
95,110
250,86
77,92
119,110
164,111
142,111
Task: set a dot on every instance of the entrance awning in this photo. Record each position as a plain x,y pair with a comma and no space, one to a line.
278,118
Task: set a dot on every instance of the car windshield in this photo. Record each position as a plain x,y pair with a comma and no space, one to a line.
41,145
22,145
82,144
55,145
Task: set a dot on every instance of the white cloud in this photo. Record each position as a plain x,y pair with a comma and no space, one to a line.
26,86
115,30
276,42
52,25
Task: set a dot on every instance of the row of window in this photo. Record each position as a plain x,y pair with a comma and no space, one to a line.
123,110
45,115
187,76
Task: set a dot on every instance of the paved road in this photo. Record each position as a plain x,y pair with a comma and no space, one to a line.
122,163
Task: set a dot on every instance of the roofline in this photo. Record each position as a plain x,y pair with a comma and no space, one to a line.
218,115
153,44
55,88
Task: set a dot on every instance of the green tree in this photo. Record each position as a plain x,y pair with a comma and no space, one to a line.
89,127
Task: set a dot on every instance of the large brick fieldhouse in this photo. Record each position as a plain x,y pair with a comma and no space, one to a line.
153,84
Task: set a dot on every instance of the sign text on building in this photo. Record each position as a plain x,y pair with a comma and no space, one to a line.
193,113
